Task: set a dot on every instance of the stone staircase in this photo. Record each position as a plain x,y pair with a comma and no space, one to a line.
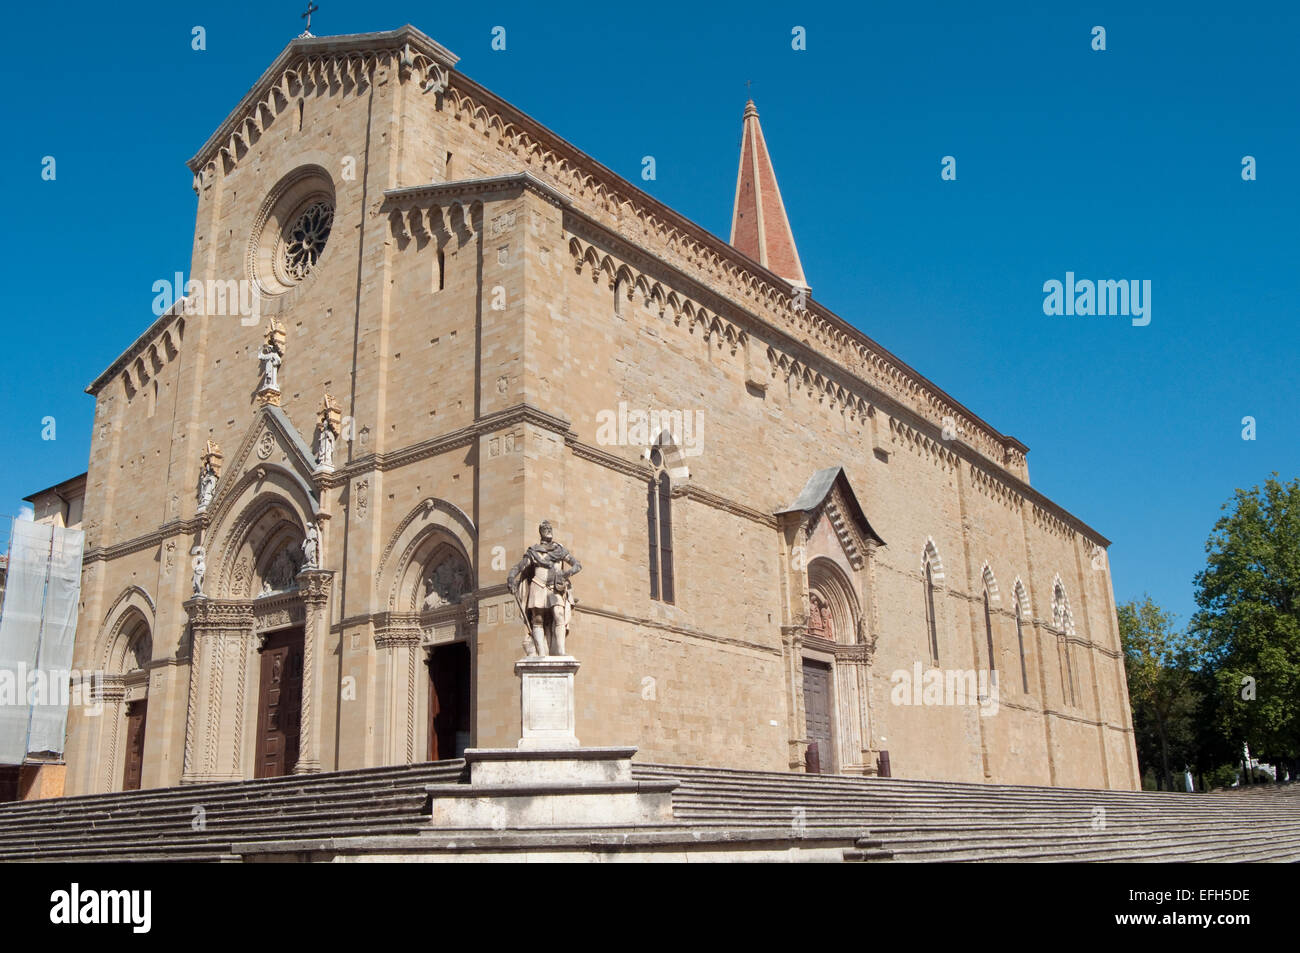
208,822
753,814
921,821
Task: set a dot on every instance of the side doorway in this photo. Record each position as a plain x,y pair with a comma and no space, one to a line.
449,701
820,758
136,715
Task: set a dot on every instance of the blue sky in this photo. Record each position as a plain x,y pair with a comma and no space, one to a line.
1117,164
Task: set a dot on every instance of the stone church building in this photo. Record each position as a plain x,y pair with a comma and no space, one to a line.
300,518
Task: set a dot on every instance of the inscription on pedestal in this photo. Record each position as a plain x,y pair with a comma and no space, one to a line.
547,708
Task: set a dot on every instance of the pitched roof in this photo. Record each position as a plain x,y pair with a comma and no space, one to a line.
759,227
818,488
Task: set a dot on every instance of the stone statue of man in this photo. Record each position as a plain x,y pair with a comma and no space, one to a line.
325,444
200,568
270,359
541,585
207,484
311,548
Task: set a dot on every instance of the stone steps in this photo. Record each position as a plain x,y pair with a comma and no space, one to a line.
928,821
159,824
762,813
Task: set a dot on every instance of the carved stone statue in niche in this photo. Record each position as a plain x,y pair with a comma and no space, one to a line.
820,623
327,431
311,548
445,584
200,566
269,358
280,575
141,652
209,473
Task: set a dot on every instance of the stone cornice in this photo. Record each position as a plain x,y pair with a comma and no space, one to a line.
699,494
137,346
586,608
462,437
655,217
407,40
496,186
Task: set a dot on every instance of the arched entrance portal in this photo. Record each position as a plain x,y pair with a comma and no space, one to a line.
125,659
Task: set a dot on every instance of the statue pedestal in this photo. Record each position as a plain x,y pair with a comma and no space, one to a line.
549,781
513,789
546,702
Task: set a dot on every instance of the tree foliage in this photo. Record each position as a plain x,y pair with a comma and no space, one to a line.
1249,618
1162,667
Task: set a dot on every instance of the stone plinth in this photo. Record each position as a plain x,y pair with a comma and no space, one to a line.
516,789
546,702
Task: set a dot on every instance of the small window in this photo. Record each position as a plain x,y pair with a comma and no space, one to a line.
988,633
659,529
1020,638
929,614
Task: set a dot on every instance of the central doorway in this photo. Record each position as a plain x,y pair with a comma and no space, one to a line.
817,716
449,707
279,705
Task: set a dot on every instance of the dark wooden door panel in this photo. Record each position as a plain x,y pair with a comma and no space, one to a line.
136,714
279,707
817,713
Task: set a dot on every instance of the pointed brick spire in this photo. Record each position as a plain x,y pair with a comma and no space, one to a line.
759,227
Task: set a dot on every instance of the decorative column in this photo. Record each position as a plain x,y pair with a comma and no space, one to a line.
850,684
221,643
792,642
112,695
314,588
398,643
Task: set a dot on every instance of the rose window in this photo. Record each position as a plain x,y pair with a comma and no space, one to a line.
306,240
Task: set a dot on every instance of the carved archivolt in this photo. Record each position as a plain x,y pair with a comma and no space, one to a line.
131,615
434,528
834,611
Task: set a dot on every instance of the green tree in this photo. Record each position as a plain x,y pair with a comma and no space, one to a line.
1249,616
1161,664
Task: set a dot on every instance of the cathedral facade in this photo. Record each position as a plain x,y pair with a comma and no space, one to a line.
797,553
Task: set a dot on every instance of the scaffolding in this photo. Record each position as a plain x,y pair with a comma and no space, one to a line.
38,623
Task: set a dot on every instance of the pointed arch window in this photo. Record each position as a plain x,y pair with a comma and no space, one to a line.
1020,640
988,633
930,621
1064,625
659,526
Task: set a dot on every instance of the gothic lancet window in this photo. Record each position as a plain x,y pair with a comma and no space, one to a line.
1061,620
988,633
659,529
930,621
1020,639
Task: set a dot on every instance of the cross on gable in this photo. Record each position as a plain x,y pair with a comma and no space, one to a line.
311,8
